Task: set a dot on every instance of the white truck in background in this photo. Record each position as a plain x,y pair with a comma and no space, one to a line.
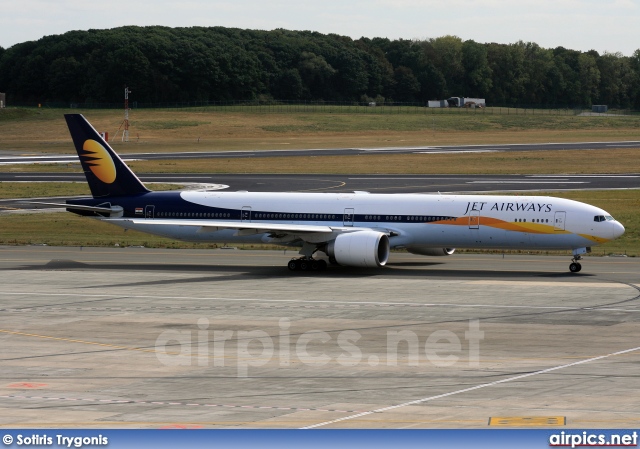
458,102
463,102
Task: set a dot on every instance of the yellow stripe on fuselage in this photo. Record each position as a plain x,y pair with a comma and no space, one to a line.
531,228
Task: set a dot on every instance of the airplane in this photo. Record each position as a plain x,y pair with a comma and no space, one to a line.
353,229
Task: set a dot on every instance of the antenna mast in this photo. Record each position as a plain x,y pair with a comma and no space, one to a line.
125,134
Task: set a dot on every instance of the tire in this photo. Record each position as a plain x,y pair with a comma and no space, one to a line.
293,265
575,267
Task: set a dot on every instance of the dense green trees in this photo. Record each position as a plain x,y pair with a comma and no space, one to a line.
163,64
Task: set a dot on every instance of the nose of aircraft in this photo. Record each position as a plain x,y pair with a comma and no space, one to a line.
618,229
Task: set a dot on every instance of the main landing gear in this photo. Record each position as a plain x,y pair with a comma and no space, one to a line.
575,266
307,264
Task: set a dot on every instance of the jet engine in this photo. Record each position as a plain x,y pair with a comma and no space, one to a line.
360,249
430,251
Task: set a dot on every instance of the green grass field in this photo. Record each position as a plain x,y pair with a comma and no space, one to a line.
211,129
33,131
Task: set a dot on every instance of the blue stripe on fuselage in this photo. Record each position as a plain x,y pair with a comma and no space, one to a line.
172,205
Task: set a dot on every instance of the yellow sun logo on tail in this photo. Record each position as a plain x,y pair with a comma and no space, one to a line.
99,161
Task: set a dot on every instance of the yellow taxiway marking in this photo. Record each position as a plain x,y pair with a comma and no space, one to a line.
70,340
527,421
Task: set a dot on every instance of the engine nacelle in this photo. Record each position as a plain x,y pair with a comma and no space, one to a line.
430,251
360,249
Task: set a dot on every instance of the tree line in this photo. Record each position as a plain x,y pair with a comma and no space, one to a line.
162,64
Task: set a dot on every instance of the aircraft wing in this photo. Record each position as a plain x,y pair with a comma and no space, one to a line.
313,233
216,225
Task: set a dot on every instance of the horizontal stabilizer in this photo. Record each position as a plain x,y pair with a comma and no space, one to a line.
104,210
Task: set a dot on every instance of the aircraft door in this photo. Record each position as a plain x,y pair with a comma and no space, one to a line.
245,214
347,218
149,211
559,220
474,219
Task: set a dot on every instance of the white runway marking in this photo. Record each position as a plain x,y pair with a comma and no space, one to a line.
41,157
583,176
403,178
514,181
455,151
79,176
179,178
61,161
465,390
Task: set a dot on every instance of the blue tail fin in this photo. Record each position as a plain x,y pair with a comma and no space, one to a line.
106,173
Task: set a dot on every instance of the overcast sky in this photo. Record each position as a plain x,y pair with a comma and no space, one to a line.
603,25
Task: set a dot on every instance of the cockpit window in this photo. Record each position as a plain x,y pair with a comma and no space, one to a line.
609,217
599,218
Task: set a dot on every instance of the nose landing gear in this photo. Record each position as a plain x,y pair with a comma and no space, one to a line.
575,266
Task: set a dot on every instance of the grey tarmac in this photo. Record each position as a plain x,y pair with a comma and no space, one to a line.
151,338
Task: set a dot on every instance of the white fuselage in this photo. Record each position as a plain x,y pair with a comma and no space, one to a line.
438,221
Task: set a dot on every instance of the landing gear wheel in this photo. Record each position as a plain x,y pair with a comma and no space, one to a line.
575,267
305,264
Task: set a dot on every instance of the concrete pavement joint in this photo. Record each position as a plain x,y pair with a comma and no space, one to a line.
116,401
